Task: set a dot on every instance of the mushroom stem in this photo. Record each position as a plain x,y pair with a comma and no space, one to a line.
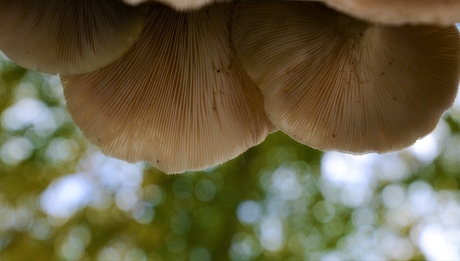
178,5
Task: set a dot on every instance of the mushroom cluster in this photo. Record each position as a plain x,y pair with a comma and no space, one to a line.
189,84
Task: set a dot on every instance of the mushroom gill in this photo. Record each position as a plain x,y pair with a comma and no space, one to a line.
398,12
333,82
178,99
67,37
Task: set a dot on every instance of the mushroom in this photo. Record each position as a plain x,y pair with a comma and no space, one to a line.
397,12
179,5
333,82
67,37
178,99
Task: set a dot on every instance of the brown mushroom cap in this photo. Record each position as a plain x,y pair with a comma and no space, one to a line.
397,12
67,37
336,83
179,5
178,99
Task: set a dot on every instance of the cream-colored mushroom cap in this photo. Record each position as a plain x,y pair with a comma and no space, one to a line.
336,83
178,99
180,5
398,12
67,37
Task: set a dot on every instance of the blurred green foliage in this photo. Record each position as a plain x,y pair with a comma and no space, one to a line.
274,202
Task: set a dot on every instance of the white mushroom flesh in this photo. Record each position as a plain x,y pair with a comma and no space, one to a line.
179,5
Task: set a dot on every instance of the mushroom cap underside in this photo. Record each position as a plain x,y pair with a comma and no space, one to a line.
178,99
67,37
398,12
333,82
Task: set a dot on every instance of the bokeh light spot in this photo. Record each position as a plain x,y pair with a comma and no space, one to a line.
205,190
183,188
271,234
15,150
249,212
199,254
66,195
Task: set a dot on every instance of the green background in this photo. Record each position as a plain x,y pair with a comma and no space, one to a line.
60,199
